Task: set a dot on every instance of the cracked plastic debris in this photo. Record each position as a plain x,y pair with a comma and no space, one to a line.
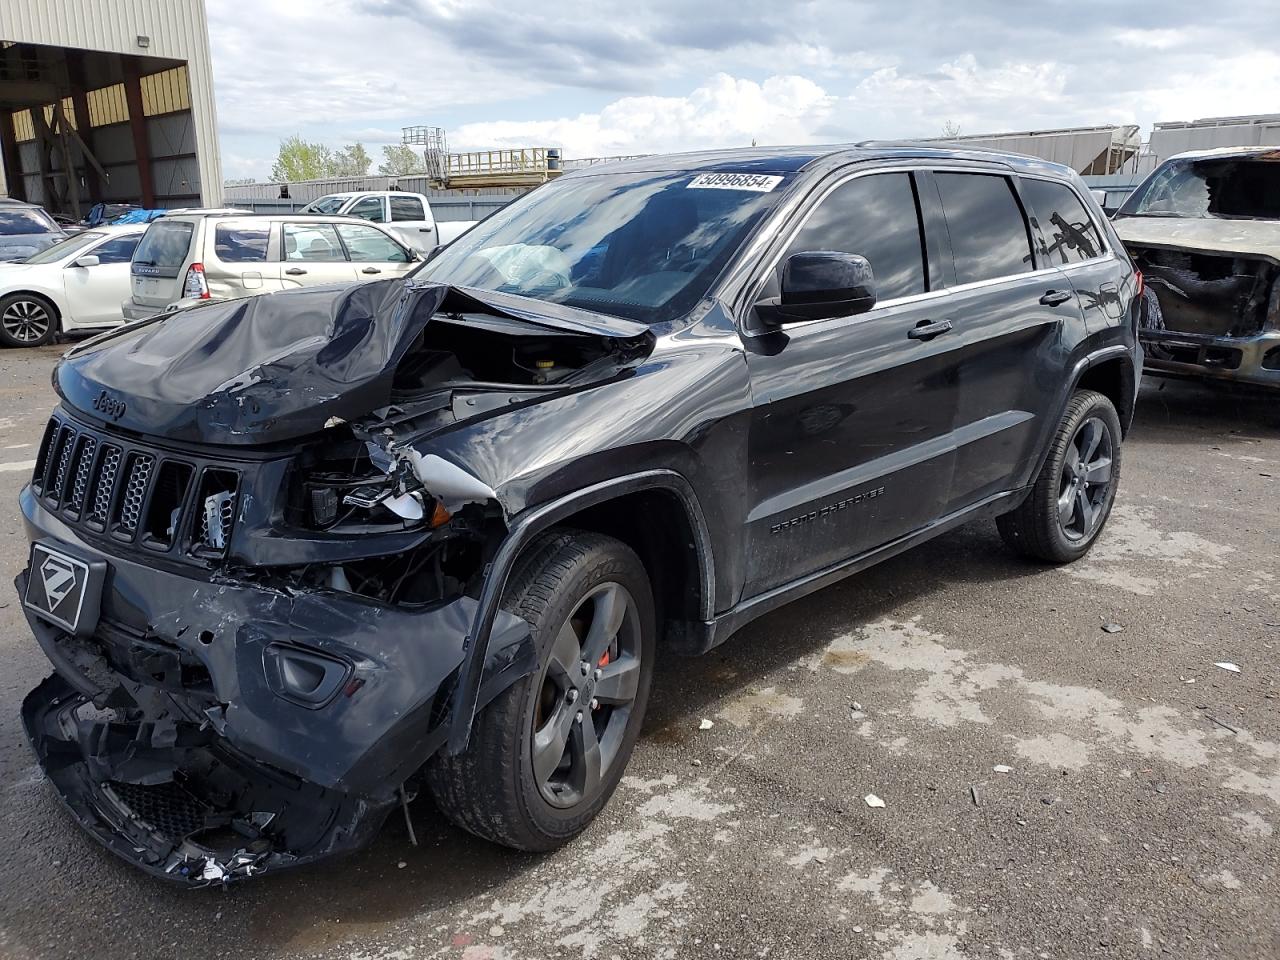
448,482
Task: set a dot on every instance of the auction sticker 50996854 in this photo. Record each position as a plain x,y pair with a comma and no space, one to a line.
755,182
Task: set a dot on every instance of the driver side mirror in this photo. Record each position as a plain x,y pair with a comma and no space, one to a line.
820,284
88,260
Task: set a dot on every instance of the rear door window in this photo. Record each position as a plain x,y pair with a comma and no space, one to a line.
874,217
370,245
369,208
1070,232
241,243
163,249
407,208
312,241
989,236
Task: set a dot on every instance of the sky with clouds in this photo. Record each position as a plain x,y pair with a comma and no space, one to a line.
644,76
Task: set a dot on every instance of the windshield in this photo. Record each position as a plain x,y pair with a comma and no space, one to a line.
23,220
646,246
65,248
325,205
1226,188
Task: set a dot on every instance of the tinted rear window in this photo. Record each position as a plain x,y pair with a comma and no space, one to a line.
988,233
1067,227
164,247
407,208
20,220
874,217
233,243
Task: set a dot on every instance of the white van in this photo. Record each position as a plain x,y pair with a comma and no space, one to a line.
195,255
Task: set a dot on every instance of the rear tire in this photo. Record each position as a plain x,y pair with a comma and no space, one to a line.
529,778
1075,489
27,320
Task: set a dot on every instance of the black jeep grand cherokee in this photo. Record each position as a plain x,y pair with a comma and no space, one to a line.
295,557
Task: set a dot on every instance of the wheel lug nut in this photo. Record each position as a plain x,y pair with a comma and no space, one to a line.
578,718
585,667
572,696
595,704
599,673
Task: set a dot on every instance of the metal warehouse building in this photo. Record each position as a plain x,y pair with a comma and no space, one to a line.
107,100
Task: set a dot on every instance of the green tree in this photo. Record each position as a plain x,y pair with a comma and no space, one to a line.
351,161
400,160
300,160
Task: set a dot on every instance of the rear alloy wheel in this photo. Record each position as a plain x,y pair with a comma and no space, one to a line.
547,753
26,320
1076,487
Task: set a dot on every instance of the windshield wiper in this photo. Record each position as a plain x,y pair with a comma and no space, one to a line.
146,263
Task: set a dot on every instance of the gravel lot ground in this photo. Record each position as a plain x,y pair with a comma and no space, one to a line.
1138,816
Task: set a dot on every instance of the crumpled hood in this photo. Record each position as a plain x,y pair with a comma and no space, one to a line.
276,367
1260,238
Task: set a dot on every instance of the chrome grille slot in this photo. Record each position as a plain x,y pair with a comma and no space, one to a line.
42,458
164,513
137,480
83,467
216,504
55,473
108,469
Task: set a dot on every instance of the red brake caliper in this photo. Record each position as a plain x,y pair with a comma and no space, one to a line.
604,662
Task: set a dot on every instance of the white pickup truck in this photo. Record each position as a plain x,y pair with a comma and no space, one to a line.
408,215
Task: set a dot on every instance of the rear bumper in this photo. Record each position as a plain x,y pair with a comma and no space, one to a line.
174,700
132,310
1235,359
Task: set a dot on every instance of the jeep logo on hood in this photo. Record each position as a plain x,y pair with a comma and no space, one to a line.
109,406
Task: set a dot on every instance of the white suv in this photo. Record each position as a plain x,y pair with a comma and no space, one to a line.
191,256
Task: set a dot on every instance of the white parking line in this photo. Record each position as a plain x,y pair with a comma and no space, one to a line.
17,467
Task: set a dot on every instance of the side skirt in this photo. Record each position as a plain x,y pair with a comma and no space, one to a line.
731,621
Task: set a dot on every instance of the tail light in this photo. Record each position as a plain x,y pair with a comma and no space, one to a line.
195,287
1142,283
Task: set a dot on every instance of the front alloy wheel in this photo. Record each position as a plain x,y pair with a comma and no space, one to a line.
25,321
585,699
547,753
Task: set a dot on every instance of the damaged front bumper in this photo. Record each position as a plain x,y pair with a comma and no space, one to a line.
1251,360
211,730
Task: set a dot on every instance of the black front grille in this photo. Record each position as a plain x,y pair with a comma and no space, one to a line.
133,493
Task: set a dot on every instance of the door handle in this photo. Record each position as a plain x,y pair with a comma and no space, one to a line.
928,329
370,270
295,271
1109,287
1055,298
426,229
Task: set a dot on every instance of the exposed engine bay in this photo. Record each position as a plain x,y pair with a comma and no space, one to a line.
1215,294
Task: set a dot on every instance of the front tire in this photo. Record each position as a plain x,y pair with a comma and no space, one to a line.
27,320
546,754
1076,487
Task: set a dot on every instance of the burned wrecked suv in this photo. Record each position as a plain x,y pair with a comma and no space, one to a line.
297,557
1204,229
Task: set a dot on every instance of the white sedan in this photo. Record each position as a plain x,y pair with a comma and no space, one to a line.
72,286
